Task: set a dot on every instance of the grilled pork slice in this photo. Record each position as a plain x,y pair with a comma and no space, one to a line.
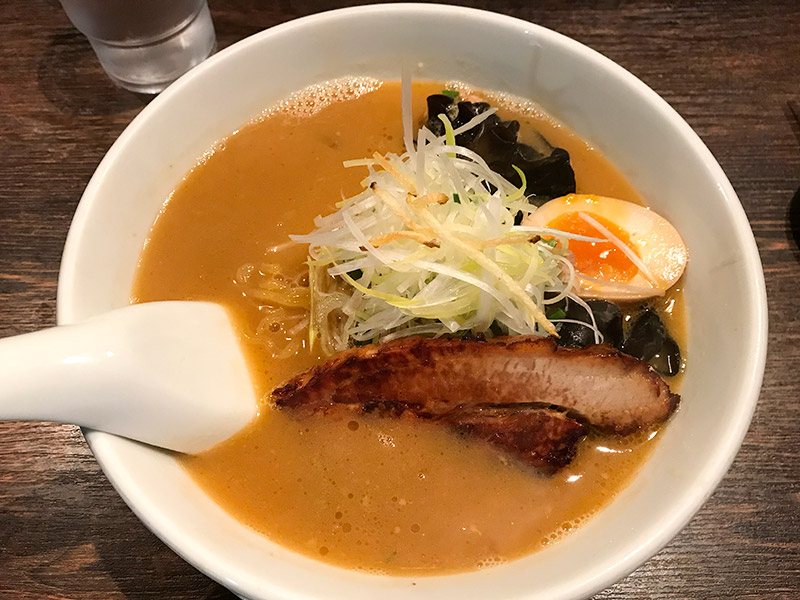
540,437
543,438
598,385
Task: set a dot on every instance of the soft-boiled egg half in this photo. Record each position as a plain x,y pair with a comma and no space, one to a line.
636,253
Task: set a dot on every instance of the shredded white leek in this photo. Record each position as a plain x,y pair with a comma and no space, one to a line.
429,247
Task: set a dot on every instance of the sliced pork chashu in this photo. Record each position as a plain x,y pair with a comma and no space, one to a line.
543,438
540,437
433,377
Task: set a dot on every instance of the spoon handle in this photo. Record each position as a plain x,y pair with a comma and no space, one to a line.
55,374
167,373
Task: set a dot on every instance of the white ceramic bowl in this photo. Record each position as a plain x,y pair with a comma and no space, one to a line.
601,102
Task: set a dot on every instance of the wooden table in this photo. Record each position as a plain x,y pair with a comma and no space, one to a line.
728,67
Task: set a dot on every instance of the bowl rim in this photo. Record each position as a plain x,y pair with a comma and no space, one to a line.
716,466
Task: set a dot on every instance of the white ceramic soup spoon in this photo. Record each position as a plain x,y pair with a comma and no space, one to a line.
171,374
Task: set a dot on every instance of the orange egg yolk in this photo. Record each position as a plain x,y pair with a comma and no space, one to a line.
601,260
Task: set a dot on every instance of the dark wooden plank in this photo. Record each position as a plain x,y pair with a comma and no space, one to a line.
729,68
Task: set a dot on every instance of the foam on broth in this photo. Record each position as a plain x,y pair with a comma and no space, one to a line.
379,495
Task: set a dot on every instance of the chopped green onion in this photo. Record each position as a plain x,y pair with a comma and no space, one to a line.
449,136
458,267
521,190
452,93
556,313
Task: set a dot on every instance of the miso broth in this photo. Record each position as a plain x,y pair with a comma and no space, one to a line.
382,495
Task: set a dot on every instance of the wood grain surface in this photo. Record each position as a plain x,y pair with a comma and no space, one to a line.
730,68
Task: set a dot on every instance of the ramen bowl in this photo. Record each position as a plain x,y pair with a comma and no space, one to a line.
603,104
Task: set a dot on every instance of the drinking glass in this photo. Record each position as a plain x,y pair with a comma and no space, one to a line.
144,45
